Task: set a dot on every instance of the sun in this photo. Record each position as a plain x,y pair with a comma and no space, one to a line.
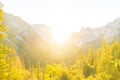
60,36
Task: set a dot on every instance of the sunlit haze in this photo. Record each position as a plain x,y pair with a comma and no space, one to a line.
64,16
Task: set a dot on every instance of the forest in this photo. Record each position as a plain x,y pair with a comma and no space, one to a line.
71,63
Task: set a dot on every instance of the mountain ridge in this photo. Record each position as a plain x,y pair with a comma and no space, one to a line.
35,43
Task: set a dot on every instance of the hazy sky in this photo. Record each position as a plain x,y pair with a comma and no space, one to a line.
62,15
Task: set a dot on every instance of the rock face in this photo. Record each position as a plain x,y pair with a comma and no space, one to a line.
43,31
20,32
89,36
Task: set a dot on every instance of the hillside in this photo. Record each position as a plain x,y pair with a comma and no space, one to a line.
93,37
34,43
25,39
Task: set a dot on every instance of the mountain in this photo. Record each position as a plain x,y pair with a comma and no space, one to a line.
34,43
29,41
43,31
93,37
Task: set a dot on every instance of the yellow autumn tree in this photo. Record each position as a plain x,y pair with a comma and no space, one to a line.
4,51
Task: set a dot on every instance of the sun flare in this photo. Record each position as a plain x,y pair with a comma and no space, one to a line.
60,36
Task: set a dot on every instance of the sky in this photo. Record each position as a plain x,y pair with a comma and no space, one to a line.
64,16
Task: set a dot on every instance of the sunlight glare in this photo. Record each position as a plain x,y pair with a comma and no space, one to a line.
59,35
